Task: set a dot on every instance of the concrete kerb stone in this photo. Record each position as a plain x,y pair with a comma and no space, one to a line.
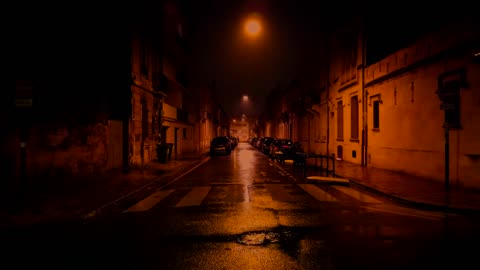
397,199
328,180
412,203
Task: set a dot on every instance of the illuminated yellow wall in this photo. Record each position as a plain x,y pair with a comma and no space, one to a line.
411,135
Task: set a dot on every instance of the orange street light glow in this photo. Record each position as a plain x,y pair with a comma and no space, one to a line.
253,27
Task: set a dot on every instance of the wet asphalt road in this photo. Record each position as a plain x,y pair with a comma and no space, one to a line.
242,211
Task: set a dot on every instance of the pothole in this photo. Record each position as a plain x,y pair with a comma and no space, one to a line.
265,238
258,238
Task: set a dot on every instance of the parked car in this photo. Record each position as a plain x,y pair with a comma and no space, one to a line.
234,141
259,142
283,149
221,145
265,146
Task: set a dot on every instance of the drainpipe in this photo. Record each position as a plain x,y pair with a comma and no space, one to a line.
327,86
328,110
126,141
364,103
309,131
127,114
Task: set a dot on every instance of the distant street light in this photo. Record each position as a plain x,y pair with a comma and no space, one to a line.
253,26
245,104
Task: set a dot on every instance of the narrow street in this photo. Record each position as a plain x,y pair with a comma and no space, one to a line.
243,211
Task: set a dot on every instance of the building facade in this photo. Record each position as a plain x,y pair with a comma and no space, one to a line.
406,117
114,90
414,111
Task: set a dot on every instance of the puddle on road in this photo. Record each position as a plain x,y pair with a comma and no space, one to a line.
293,241
258,238
268,237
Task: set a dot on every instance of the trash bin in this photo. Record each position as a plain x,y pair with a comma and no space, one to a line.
169,151
162,151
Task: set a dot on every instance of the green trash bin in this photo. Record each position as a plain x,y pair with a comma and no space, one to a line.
162,152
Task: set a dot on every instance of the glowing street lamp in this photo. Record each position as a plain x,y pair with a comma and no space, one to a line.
253,27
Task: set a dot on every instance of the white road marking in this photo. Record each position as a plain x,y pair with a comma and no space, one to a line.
318,193
99,210
328,179
194,197
279,193
358,195
150,201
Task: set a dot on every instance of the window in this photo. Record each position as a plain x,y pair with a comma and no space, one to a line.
340,120
184,133
354,118
376,114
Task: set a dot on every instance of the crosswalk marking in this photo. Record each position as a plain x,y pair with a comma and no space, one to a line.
150,201
358,195
317,193
194,197
236,193
279,193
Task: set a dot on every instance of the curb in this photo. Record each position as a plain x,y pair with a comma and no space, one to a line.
171,177
416,204
328,180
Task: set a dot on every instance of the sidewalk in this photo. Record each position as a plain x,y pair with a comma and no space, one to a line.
416,191
64,200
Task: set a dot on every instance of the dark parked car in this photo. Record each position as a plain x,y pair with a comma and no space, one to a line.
265,146
221,145
283,149
234,141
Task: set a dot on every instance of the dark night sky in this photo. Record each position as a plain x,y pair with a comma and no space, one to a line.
291,40
253,67
289,48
